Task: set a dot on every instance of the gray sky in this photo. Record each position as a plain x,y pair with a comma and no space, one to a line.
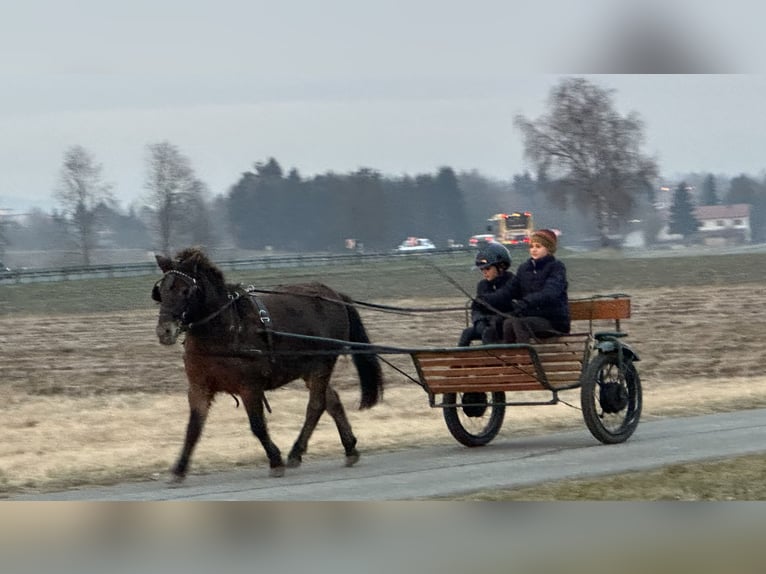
398,86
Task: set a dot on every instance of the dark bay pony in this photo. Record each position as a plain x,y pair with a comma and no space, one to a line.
233,345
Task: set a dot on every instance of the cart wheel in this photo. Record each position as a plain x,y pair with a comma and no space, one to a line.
611,398
477,422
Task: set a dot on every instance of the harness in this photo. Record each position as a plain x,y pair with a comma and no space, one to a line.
263,315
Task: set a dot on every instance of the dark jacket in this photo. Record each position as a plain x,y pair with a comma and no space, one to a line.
484,287
541,286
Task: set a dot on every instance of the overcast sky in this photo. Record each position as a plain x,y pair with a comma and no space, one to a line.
336,85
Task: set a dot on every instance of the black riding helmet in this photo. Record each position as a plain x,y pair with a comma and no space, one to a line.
493,254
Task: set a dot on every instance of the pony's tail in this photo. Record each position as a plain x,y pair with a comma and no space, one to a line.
367,365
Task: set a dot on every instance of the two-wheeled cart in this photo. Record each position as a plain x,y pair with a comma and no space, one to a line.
471,384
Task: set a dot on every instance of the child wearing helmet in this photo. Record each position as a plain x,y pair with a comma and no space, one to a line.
494,261
535,303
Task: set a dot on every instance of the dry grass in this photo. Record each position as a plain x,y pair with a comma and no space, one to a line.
738,478
59,442
94,399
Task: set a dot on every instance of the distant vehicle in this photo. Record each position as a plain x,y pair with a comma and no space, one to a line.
481,239
5,271
416,244
512,229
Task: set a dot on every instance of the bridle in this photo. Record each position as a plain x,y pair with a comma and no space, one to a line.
183,319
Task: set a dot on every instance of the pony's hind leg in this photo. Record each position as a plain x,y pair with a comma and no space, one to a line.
347,438
323,397
253,401
317,385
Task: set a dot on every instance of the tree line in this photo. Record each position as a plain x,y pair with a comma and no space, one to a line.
588,177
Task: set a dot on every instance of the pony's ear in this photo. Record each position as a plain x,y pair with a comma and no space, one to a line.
165,263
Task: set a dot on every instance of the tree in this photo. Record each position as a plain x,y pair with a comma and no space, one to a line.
744,189
170,182
682,220
41,231
709,194
197,220
258,207
525,187
3,238
79,192
125,229
589,154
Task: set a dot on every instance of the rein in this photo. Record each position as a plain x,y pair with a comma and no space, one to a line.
454,283
354,302
233,297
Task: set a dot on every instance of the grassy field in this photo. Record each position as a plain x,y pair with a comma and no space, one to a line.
416,277
81,364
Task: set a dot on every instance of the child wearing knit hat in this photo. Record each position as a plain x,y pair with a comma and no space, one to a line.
546,238
535,302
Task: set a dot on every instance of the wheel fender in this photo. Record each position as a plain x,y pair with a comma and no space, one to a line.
614,345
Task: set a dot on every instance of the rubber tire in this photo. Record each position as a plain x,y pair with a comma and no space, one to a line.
487,433
607,363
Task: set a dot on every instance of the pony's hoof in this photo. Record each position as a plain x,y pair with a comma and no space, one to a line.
176,480
352,459
294,462
277,471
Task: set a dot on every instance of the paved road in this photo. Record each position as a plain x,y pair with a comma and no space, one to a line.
454,469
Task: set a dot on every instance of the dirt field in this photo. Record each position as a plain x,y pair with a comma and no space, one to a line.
93,398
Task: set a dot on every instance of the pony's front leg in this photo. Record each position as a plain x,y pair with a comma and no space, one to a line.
199,406
253,401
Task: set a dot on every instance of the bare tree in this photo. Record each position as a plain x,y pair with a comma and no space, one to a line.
170,181
589,153
80,190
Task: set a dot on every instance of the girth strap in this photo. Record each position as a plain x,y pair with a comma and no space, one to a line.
263,315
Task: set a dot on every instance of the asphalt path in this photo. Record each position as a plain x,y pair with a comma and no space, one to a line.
452,469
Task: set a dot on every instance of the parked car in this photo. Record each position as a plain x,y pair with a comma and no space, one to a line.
416,244
481,239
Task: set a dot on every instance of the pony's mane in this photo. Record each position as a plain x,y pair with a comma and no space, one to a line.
194,261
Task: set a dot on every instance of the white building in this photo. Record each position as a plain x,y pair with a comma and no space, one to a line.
724,224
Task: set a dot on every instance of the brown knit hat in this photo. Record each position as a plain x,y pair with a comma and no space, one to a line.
545,237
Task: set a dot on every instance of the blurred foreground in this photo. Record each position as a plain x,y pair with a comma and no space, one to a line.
381,538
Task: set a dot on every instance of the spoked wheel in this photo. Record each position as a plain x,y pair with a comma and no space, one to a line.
476,420
611,398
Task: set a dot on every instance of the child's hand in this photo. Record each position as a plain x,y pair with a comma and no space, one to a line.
518,307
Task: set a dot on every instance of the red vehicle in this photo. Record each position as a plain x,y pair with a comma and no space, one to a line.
482,239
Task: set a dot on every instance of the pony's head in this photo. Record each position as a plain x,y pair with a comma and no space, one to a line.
182,291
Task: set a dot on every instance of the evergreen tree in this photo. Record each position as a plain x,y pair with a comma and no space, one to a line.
709,193
744,189
682,220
